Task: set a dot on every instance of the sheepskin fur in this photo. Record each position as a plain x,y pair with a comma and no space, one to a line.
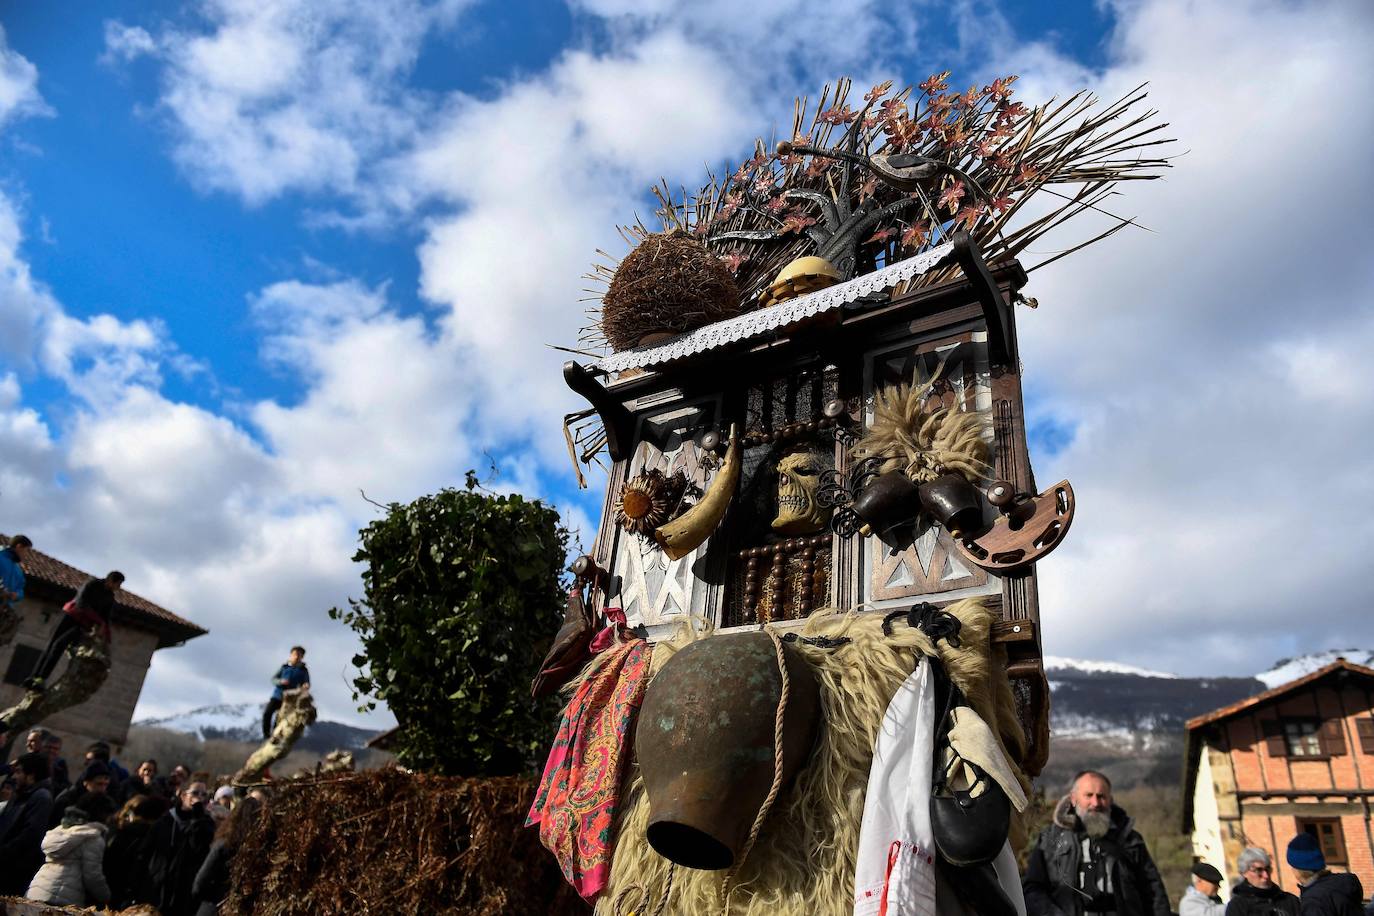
804,861
921,439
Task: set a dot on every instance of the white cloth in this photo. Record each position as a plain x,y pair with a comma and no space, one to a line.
895,874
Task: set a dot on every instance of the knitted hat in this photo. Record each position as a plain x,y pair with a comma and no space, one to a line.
1306,853
1207,872
95,769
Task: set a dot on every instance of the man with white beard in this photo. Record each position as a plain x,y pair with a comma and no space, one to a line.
1090,861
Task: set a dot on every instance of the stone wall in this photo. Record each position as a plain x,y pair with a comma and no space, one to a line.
106,715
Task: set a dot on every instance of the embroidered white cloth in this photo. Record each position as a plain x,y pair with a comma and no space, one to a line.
895,875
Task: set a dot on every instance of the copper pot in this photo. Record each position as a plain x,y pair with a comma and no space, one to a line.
953,502
705,743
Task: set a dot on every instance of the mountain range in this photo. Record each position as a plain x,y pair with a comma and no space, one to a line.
1111,701
243,722
1113,707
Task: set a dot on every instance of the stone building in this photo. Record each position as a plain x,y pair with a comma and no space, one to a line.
139,629
1299,757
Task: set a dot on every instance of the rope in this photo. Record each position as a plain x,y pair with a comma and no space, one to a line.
777,767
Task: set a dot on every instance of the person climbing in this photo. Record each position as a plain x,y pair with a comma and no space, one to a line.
291,676
88,613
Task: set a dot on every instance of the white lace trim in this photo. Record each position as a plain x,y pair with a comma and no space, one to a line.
752,324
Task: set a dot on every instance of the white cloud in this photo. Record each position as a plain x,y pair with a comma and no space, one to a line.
126,42
1214,367
19,95
270,97
386,399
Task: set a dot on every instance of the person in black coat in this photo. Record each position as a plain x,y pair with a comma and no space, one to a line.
1324,893
91,794
23,824
126,858
1091,860
89,611
1256,894
177,846
212,881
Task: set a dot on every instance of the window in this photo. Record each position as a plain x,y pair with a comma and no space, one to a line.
1302,738
1328,832
22,663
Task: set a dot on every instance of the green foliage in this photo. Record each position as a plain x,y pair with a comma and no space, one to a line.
462,595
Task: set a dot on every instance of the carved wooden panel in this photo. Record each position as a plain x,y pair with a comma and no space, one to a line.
652,589
921,563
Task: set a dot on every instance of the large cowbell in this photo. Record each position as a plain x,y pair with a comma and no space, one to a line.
705,742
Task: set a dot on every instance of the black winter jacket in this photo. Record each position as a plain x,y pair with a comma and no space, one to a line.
126,863
1051,881
1248,900
177,845
22,828
1331,894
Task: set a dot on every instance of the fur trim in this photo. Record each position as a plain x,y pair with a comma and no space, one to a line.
803,863
1064,815
921,438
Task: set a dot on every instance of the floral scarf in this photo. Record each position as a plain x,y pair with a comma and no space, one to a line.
580,791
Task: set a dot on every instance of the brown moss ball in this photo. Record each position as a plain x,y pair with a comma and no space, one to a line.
669,284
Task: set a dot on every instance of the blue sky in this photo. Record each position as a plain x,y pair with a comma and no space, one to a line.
257,256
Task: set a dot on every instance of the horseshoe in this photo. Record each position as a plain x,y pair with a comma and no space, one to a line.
1026,532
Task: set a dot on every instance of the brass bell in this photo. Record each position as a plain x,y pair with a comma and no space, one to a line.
705,743
953,502
888,501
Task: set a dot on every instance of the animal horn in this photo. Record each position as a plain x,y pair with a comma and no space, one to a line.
687,532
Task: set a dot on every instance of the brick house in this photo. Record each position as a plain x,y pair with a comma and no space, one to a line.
139,629
1299,757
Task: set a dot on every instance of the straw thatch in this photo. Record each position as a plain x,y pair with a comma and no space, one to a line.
387,842
669,284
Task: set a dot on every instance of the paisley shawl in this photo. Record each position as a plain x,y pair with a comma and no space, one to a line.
579,793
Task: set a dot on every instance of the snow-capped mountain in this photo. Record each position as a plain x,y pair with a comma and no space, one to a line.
1060,663
1130,705
1289,669
243,722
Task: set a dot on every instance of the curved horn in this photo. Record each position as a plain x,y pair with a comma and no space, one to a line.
687,532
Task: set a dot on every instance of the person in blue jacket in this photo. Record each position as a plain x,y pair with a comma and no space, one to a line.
291,676
12,585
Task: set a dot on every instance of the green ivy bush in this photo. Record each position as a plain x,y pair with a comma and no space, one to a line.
461,596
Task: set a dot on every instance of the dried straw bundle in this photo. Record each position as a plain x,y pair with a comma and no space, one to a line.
803,863
385,842
669,284
922,439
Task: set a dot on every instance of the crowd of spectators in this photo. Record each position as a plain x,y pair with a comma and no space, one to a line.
113,838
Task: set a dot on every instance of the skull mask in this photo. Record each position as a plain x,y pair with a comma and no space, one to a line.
798,481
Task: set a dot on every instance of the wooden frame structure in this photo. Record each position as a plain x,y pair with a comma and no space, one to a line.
810,386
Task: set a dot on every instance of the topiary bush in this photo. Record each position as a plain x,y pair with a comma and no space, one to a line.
461,594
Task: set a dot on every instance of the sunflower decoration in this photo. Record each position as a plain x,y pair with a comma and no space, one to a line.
649,501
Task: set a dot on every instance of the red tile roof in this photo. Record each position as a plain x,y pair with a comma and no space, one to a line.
62,581
1226,712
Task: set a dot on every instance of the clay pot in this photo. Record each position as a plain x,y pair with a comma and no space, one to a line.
705,743
953,502
888,501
